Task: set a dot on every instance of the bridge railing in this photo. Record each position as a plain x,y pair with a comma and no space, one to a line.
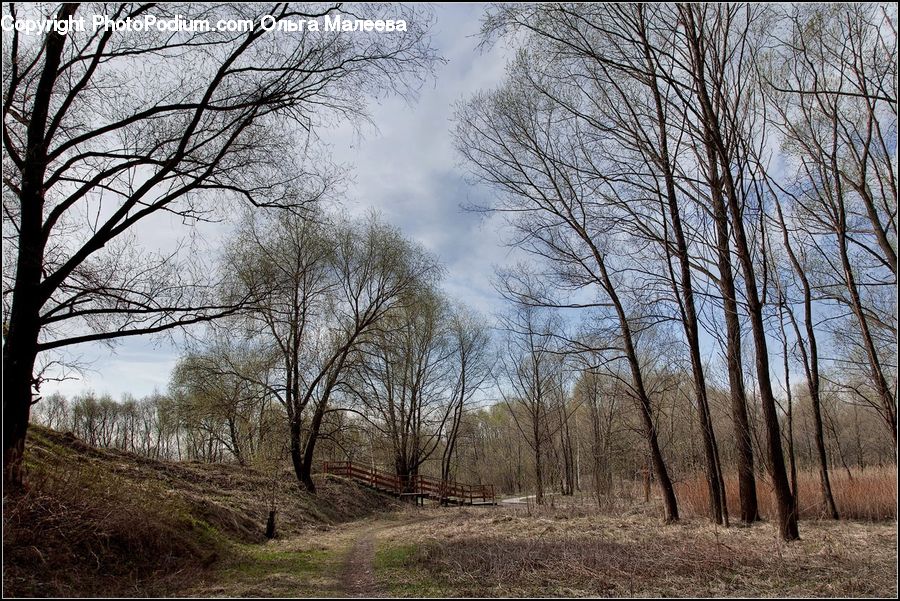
418,484
373,477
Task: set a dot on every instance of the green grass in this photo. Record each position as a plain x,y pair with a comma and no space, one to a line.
255,561
389,558
399,573
251,570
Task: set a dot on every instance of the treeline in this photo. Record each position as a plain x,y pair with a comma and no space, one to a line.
600,452
597,452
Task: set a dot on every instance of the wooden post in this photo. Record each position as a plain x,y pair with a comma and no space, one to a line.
270,525
646,485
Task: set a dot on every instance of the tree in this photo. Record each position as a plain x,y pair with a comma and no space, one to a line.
221,384
556,191
526,371
600,396
625,106
404,382
809,354
472,368
725,98
833,92
103,130
324,288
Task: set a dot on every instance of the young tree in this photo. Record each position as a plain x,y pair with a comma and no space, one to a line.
808,348
525,375
221,383
599,396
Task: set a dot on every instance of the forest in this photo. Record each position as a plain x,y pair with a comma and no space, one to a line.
698,316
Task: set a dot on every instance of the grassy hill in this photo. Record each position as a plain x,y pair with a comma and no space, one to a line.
105,522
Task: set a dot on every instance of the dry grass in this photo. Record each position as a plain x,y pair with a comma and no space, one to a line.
870,494
85,531
98,522
104,522
519,552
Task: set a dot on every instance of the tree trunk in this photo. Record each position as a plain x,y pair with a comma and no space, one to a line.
659,465
538,475
734,362
888,403
637,379
715,485
21,345
811,366
717,152
18,366
792,458
297,456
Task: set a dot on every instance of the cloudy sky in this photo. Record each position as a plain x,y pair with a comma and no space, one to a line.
407,170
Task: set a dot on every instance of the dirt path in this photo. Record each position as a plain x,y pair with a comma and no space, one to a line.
358,574
358,577
338,562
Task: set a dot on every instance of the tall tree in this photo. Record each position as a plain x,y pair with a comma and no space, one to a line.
725,97
472,368
833,94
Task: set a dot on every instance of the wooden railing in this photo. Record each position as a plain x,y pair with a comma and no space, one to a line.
444,491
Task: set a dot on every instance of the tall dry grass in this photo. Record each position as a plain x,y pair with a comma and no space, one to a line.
574,550
869,494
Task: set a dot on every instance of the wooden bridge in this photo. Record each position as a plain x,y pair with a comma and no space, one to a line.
417,487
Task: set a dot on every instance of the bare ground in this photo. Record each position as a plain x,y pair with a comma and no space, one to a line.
324,561
358,576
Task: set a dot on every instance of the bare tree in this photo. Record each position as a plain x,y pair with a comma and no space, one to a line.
833,92
598,395
405,379
103,129
809,355
525,373
472,369
323,291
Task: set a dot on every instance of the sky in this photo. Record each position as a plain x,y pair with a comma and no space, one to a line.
407,170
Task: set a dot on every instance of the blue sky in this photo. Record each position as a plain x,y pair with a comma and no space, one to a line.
407,170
